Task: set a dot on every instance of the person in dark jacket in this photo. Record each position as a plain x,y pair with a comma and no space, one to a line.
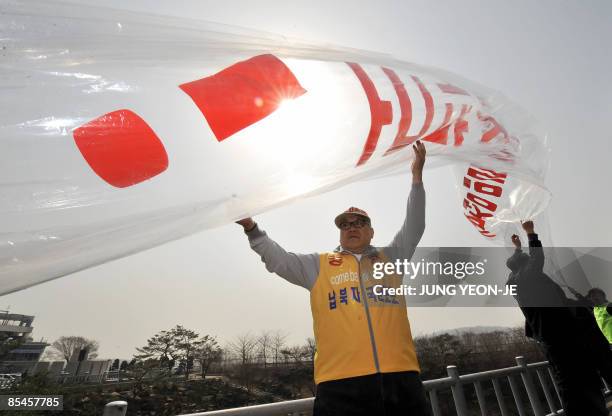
553,323
602,310
588,314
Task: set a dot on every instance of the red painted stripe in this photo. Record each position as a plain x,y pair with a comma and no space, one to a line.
121,148
242,94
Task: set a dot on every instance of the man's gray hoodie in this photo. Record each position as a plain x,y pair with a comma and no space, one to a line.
303,269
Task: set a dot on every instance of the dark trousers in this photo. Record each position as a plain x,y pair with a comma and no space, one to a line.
597,346
383,394
578,380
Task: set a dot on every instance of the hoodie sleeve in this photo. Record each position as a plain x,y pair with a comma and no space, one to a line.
512,262
536,253
407,238
299,269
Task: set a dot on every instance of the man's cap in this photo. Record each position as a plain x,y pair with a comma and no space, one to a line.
351,211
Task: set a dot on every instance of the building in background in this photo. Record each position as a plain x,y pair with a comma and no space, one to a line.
23,358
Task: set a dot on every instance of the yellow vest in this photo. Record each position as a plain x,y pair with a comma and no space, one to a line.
357,332
604,320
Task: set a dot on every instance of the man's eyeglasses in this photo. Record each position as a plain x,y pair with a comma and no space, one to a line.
360,223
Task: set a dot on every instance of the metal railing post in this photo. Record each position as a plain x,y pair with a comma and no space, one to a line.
546,388
500,397
455,382
118,408
554,382
517,395
607,390
457,390
532,393
435,404
482,401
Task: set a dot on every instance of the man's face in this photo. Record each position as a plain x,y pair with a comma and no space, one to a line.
355,233
597,297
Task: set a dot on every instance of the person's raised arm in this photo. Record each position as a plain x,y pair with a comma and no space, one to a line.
536,252
299,269
513,262
409,235
516,241
580,300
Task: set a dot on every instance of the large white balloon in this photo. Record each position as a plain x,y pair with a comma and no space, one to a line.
119,132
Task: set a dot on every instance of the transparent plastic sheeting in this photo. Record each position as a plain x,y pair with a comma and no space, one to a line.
121,131
480,276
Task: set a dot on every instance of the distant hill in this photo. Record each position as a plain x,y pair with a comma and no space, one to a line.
473,329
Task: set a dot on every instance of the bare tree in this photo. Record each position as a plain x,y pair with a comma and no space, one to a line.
297,354
311,348
161,347
207,353
186,342
279,339
51,354
141,370
244,347
264,344
66,346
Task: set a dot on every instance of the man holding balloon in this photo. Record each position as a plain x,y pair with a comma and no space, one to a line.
366,361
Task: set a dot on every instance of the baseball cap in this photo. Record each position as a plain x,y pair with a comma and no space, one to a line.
351,211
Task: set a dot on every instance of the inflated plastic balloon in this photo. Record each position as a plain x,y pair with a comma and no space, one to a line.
121,131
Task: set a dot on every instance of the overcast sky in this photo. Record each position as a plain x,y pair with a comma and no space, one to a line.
552,57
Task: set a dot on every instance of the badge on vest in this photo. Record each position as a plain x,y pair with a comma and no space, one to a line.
334,259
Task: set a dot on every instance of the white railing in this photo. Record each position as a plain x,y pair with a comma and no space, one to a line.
525,372
533,380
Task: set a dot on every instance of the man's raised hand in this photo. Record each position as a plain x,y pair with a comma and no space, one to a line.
516,241
247,223
419,161
528,226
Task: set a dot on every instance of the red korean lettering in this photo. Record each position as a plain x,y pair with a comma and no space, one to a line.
483,188
381,112
477,218
484,203
461,125
429,107
495,130
488,189
440,136
452,89
483,174
401,139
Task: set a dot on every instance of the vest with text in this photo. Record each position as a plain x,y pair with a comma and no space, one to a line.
358,332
